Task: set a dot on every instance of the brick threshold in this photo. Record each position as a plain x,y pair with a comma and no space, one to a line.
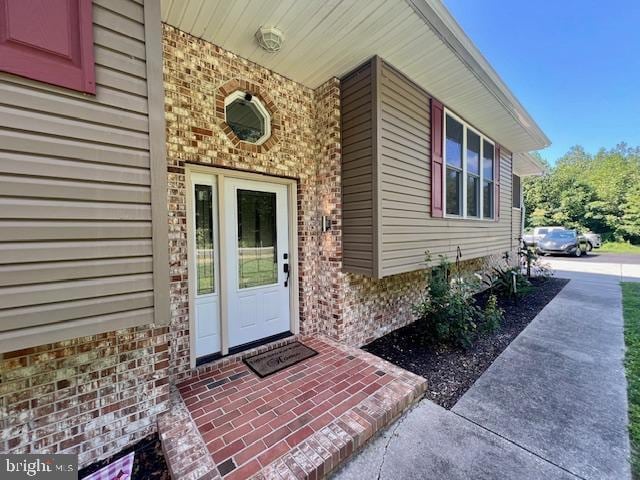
313,448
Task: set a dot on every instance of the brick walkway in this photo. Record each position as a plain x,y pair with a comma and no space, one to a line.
298,423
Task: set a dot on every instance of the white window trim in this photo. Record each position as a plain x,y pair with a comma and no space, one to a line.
261,108
483,138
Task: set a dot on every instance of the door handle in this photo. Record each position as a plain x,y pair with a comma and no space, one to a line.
287,271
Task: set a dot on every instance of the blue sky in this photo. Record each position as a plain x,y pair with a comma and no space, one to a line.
573,64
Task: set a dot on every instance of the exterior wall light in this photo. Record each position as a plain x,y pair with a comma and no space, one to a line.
326,224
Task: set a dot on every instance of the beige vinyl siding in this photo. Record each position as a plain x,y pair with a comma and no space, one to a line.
399,171
75,193
409,230
358,171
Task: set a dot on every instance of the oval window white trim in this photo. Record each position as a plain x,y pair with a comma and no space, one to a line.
239,94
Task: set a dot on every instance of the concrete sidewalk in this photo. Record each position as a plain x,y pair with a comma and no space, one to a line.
552,406
433,443
599,272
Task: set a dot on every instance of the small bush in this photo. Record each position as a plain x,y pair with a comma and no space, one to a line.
448,313
508,282
493,315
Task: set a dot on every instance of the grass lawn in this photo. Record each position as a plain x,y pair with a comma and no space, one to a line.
631,308
618,247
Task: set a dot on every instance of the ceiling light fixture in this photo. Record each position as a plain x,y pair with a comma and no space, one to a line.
270,39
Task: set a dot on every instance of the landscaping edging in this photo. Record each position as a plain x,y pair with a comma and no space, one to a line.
450,371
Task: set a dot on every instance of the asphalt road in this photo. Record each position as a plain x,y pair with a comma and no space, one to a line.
595,257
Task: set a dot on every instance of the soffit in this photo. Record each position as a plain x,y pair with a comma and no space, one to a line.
327,38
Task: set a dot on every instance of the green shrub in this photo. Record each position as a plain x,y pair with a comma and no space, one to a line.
448,313
493,315
508,282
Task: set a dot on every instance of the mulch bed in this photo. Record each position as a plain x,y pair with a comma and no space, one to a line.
149,463
451,371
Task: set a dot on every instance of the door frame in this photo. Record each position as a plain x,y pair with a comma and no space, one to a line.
220,174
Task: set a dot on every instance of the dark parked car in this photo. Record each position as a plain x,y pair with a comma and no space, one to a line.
563,242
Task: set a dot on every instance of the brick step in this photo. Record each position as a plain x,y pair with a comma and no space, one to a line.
301,422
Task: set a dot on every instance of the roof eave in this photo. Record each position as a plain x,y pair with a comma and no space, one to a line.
436,15
527,165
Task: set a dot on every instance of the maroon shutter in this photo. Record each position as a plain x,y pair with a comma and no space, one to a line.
49,41
497,182
436,158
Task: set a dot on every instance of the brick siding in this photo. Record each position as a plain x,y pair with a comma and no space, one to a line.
92,396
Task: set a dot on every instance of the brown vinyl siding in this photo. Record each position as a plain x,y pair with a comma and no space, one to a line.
405,148
402,162
75,193
357,114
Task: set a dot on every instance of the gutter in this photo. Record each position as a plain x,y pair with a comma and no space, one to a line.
438,18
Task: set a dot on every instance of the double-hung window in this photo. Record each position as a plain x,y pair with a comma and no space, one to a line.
469,184
517,191
473,174
453,147
488,186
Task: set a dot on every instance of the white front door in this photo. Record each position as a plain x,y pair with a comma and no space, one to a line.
204,263
256,230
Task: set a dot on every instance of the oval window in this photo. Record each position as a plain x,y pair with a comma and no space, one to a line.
247,117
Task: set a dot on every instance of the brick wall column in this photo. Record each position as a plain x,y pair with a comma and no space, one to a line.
330,279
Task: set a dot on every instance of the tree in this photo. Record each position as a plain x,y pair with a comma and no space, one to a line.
631,214
588,192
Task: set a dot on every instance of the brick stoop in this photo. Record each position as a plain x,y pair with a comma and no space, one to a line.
186,454
301,422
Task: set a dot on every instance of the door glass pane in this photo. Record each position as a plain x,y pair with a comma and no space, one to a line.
204,239
454,191
257,246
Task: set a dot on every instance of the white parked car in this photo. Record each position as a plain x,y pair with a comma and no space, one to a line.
593,239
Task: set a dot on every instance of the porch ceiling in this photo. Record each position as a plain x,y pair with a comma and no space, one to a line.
325,38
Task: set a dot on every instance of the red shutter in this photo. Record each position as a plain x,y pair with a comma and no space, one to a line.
497,182
49,41
436,158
